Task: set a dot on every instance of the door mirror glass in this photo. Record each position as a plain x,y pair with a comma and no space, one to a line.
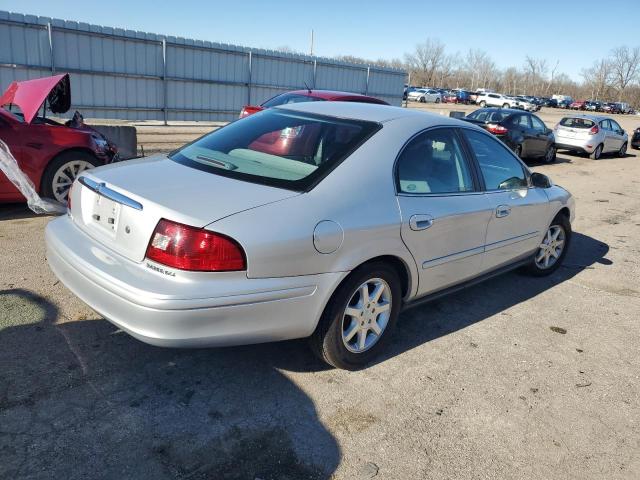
540,180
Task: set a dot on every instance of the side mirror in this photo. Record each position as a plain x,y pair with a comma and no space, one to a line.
540,180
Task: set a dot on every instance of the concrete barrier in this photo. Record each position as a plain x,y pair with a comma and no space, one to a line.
126,138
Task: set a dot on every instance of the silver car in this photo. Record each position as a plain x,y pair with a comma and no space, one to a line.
592,135
319,219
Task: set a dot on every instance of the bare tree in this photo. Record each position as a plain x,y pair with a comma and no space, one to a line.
425,61
625,66
598,78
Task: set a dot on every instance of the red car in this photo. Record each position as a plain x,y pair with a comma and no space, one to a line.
49,153
578,105
298,96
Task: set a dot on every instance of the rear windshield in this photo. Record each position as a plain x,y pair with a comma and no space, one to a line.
488,115
576,122
285,98
277,147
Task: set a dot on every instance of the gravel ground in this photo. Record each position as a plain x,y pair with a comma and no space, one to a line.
515,378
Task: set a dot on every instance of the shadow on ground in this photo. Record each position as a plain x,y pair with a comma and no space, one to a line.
82,400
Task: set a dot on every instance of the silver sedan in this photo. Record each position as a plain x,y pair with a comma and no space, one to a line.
319,220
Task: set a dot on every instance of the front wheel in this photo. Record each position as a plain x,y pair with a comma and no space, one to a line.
483,104
551,252
360,317
505,105
623,150
62,171
437,100
423,100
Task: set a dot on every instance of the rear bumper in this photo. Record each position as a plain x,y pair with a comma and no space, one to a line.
229,309
575,145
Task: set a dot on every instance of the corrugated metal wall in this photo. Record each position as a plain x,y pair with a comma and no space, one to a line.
124,74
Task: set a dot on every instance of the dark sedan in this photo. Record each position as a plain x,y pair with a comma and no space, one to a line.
523,132
635,140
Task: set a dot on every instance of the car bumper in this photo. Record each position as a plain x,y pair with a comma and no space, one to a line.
575,145
161,311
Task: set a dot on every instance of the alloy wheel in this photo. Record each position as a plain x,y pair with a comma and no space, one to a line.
623,150
64,177
366,315
550,155
551,247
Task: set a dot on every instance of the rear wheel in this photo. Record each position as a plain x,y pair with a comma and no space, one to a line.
483,104
623,150
62,171
596,153
553,249
505,105
437,100
359,320
423,100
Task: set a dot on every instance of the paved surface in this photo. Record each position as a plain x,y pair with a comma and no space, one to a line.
516,378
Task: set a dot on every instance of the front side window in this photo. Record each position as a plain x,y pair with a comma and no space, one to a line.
538,125
433,162
277,147
500,169
605,124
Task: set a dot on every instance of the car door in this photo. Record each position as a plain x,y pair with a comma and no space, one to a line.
617,133
522,124
609,137
541,134
444,213
518,212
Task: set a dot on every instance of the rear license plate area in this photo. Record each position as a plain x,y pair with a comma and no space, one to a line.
105,215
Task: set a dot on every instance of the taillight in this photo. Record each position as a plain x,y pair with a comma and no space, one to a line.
594,130
496,129
190,248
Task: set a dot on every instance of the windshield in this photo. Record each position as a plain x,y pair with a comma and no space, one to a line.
572,122
277,147
488,115
285,98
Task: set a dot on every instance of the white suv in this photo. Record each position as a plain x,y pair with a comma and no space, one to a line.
496,100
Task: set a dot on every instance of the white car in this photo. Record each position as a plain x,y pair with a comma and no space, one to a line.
526,104
496,100
591,134
318,219
425,95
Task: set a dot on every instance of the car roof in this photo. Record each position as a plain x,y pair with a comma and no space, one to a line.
331,94
594,118
371,112
497,109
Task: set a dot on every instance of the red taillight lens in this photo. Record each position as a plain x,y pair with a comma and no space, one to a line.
496,129
594,130
190,248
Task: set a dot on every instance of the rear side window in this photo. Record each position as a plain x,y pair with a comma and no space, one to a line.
433,162
286,98
500,169
521,121
576,122
488,115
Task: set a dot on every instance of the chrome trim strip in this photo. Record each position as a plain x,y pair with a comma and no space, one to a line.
509,241
452,257
103,190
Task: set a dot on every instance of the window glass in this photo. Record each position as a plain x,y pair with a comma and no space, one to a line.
277,147
606,124
500,169
434,163
573,122
286,98
487,115
538,124
521,121
615,126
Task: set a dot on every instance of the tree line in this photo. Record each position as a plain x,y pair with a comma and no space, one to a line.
613,78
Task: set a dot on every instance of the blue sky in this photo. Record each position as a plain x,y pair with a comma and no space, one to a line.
507,30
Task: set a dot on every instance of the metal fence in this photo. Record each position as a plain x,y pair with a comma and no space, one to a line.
125,74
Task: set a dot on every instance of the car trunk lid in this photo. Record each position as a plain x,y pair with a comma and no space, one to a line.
120,205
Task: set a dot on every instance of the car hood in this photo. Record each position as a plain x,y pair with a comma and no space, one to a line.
29,95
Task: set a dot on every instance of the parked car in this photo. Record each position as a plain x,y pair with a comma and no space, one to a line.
565,104
527,104
552,102
51,154
425,95
221,243
451,97
591,134
522,132
592,106
298,96
611,107
578,105
635,140
407,89
496,100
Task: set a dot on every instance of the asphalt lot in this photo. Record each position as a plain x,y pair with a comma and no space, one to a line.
515,378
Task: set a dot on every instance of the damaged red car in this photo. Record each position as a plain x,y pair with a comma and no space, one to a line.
50,153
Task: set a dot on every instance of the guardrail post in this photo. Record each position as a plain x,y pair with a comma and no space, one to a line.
50,35
250,75
164,80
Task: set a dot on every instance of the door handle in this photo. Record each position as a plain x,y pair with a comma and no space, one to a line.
503,211
420,222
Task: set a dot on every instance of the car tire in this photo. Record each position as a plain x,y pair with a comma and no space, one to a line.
505,105
339,336
597,153
64,167
437,100
623,150
423,100
551,248
550,154
483,104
